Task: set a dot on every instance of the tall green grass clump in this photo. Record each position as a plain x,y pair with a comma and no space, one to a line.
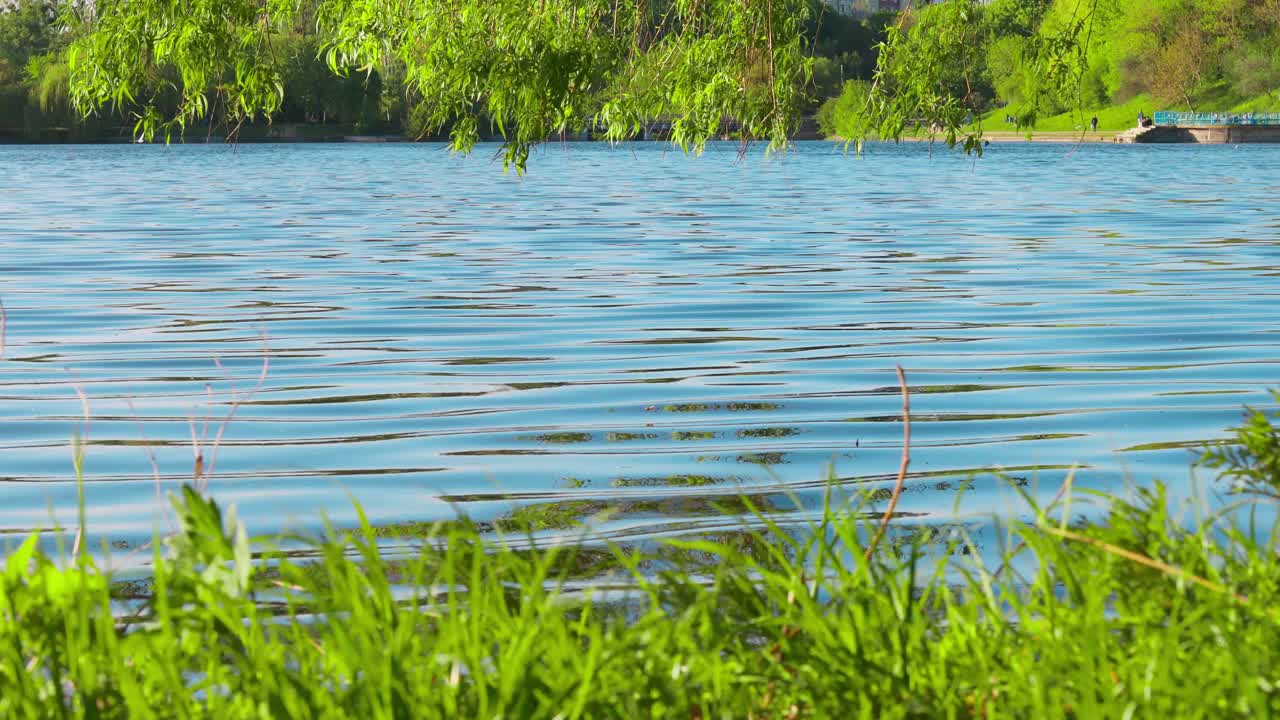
1146,614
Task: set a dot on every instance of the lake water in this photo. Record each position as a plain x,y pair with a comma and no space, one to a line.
622,328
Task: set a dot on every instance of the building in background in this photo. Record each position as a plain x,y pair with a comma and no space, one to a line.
859,8
846,7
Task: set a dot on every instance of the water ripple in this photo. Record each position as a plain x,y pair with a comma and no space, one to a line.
626,334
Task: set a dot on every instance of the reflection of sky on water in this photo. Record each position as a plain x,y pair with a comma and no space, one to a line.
622,328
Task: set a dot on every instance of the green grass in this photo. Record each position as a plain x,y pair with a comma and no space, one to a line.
1150,613
1262,103
1110,118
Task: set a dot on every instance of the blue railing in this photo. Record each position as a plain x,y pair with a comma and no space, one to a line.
1188,118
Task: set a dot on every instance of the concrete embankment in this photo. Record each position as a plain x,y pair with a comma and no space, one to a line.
1206,134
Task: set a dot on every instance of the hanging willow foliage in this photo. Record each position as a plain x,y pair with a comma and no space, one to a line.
530,69
929,65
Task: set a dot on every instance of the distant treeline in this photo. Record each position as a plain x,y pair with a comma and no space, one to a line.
35,104
1202,55
1211,55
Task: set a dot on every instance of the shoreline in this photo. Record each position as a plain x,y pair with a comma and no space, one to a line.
1057,136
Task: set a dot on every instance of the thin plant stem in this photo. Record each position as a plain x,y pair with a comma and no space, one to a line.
155,465
902,469
1062,490
1144,560
236,401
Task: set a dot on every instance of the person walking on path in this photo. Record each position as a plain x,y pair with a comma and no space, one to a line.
1093,123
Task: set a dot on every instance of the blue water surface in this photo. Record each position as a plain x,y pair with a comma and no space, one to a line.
623,328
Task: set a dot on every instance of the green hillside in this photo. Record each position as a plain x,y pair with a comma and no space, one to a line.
1053,64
